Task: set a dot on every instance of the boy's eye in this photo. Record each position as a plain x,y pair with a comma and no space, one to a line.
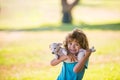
70,43
77,44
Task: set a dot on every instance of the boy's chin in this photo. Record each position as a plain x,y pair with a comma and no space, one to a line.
72,52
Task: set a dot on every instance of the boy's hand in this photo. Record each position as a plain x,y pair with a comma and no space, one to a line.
63,57
88,52
72,57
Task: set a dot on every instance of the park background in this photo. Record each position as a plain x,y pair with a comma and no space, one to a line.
27,27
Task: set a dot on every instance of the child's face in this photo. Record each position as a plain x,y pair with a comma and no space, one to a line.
73,47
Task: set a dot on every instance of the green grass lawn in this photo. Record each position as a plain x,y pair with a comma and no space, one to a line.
25,55
27,31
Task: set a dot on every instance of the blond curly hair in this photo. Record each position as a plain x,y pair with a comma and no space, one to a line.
79,36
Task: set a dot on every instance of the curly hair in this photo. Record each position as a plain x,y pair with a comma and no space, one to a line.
79,36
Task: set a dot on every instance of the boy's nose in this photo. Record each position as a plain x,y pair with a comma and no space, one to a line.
73,46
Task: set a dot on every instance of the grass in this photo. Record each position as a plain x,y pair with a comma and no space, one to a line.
26,55
108,71
27,31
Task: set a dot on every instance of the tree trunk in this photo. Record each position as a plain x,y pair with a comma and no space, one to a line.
66,11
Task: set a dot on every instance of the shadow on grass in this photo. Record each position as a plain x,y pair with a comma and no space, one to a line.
69,27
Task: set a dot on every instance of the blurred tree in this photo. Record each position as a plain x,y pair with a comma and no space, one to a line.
67,9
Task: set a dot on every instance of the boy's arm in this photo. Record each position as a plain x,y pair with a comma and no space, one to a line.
54,62
79,66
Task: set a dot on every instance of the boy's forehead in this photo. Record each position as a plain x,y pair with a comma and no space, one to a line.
73,40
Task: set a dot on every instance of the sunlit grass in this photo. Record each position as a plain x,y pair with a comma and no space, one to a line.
27,57
25,54
103,71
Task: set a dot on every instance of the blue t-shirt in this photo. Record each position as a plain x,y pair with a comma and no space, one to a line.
67,72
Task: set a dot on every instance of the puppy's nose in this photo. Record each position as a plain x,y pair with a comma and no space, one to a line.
52,52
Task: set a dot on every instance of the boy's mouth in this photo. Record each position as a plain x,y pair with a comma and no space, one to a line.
72,51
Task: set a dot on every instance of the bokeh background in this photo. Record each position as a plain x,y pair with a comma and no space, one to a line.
27,27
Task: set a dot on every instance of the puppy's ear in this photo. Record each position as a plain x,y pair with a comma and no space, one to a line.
59,44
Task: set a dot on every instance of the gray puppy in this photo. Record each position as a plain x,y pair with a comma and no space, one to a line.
57,50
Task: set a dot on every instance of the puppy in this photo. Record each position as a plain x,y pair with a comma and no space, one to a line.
57,50
82,53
